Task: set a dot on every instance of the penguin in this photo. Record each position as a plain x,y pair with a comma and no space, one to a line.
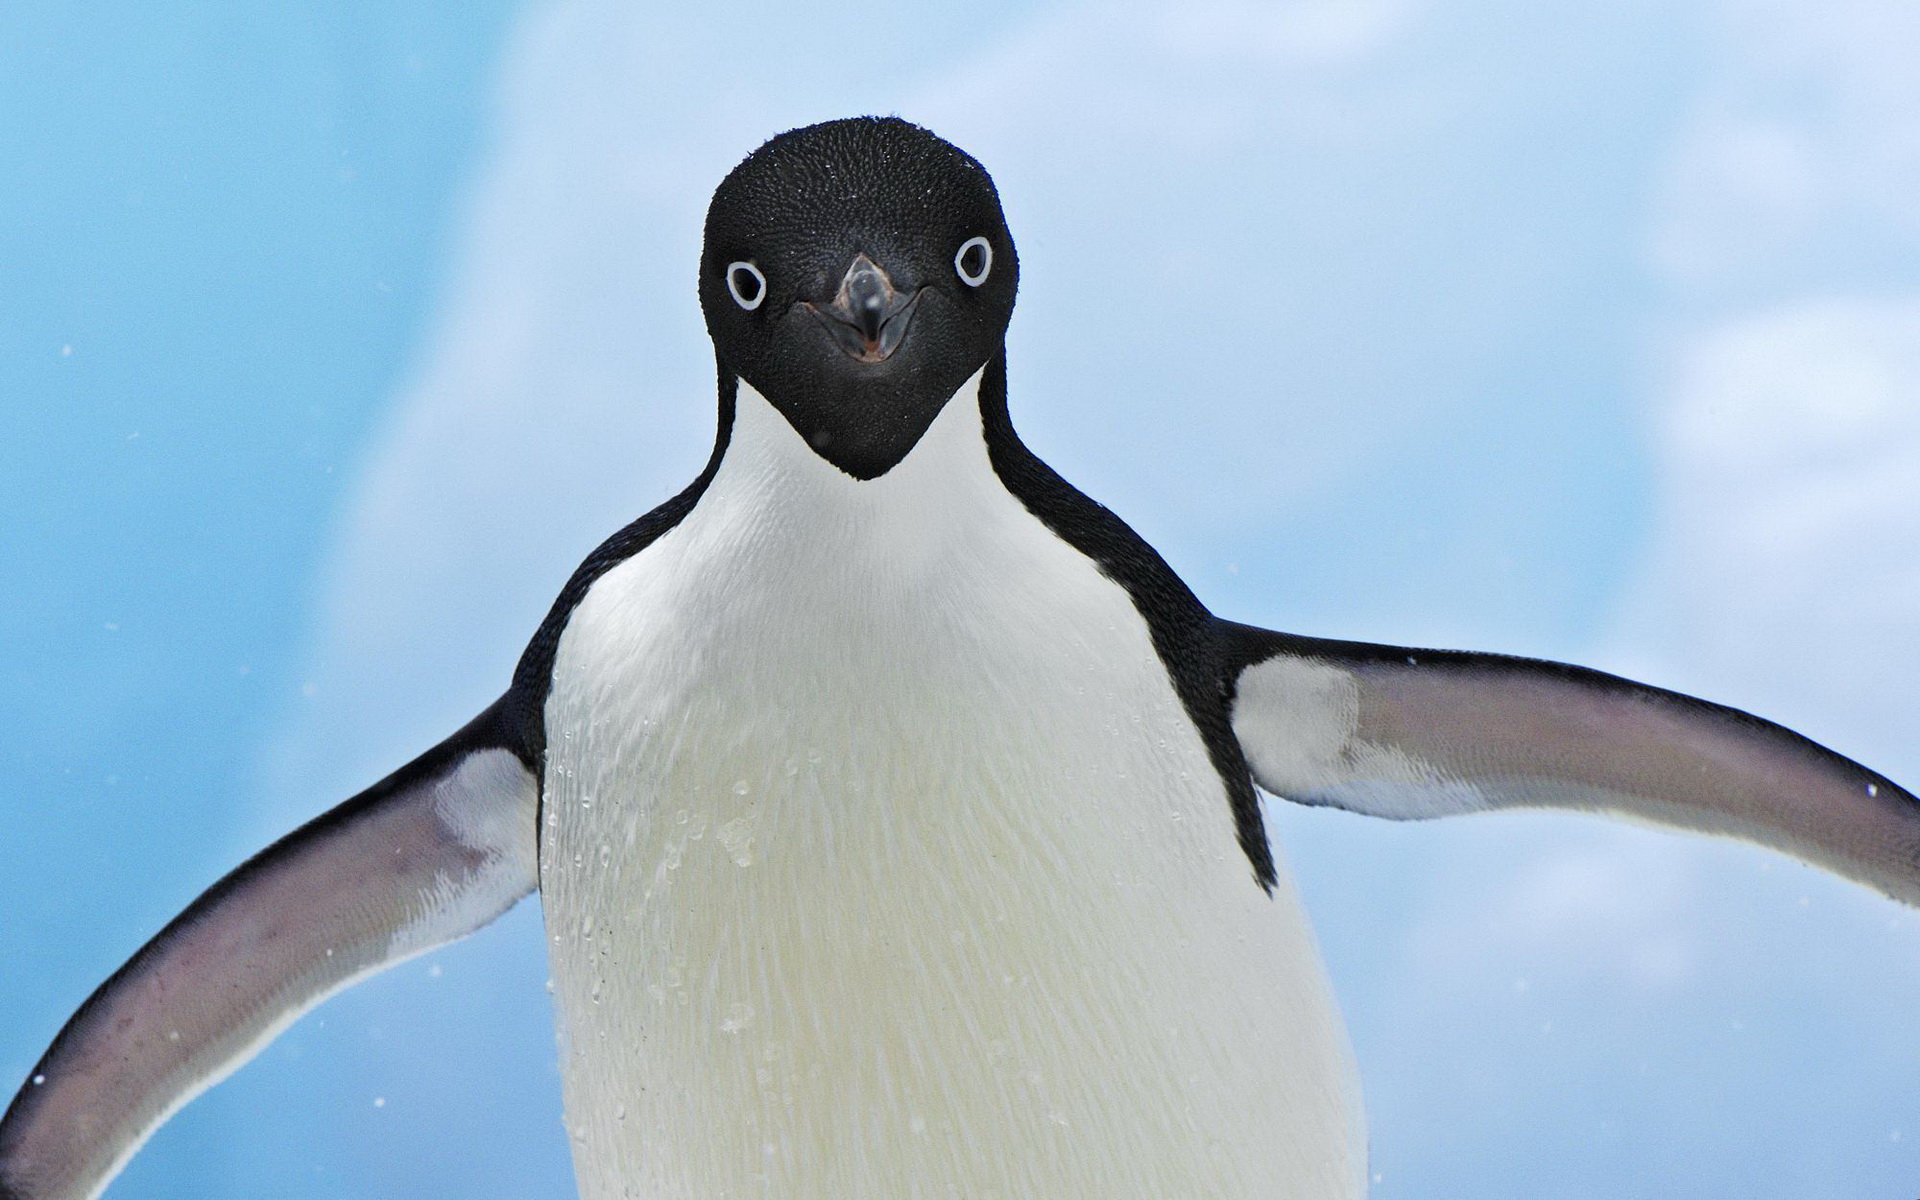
893,807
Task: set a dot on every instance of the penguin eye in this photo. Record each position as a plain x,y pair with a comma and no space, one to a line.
973,261
746,285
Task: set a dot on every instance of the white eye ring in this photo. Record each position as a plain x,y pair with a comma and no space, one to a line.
986,261
746,272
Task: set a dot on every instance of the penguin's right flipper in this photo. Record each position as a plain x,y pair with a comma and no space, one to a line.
429,854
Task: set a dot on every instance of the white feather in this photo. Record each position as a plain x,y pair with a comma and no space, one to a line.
882,861
1298,719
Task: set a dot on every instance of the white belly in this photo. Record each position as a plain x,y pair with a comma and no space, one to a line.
881,862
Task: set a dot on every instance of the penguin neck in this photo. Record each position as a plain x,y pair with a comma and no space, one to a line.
764,466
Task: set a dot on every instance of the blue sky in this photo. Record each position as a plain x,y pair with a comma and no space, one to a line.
335,338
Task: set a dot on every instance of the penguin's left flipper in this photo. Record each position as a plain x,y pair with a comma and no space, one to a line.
427,855
1408,734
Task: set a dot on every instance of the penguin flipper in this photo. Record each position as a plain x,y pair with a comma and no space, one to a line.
429,854
1408,734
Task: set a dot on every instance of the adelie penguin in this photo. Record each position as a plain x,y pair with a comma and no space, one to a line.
892,804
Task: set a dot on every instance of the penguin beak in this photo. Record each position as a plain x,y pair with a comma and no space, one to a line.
867,318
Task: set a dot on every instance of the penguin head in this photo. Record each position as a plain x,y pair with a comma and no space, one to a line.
856,273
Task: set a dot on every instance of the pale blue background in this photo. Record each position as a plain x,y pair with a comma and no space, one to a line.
331,336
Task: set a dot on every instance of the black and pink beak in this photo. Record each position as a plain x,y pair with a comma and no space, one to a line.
868,316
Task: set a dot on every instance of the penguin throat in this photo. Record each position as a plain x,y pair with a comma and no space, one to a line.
861,431
772,459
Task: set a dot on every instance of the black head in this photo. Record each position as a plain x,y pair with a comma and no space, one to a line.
856,273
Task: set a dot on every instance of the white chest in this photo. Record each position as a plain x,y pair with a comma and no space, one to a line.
881,861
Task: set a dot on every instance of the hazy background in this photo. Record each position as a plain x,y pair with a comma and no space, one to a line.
332,336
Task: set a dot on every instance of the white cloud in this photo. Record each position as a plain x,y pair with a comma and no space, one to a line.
1782,574
1786,568
1612,909
1801,155
1786,563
